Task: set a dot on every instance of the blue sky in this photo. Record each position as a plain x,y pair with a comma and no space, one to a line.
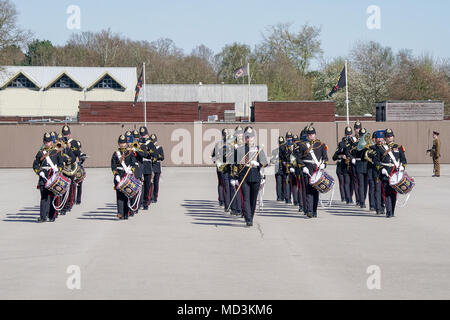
422,26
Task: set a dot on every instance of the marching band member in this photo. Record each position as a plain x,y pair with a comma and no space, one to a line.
148,167
156,167
372,158
252,158
140,153
343,170
370,173
236,204
218,155
313,156
47,161
70,159
122,164
82,158
390,158
285,157
360,165
280,177
353,174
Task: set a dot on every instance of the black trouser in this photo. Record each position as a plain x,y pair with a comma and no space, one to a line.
362,187
312,198
250,192
354,184
79,191
220,187
155,187
147,190
379,203
280,179
370,179
345,185
301,192
236,205
226,179
122,204
47,211
390,198
291,188
70,198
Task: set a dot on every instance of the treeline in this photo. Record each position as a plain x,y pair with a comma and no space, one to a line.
282,60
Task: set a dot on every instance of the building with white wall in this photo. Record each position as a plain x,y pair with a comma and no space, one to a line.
207,93
57,91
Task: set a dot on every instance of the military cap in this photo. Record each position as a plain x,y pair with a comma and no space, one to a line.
224,132
249,132
60,136
122,139
153,137
436,133
295,137
379,134
143,131
239,128
357,125
389,133
65,130
362,132
348,131
310,130
281,139
289,135
47,137
136,134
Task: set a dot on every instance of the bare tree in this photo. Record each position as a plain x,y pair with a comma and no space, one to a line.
10,33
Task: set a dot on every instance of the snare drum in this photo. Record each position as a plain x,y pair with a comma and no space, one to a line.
79,175
130,186
322,181
401,182
58,184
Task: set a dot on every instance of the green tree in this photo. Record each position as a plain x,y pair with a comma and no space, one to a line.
229,59
40,53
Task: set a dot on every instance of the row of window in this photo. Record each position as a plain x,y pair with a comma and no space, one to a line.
65,82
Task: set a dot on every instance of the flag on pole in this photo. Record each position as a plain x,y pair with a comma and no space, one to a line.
341,83
138,87
241,72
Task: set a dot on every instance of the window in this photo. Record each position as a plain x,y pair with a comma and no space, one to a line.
108,83
21,82
65,82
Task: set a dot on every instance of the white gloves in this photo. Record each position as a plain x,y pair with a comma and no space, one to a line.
305,170
354,161
42,174
322,166
233,183
384,171
118,179
236,146
402,168
255,163
292,170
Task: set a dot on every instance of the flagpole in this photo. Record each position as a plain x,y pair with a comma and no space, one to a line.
145,99
249,98
346,93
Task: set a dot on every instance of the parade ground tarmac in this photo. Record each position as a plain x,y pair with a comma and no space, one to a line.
186,247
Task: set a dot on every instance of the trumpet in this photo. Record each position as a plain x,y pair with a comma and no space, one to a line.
60,145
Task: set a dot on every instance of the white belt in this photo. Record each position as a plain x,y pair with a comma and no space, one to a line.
46,168
358,159
388,164
147,160
309,161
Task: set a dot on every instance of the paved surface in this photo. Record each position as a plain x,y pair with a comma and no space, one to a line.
185,247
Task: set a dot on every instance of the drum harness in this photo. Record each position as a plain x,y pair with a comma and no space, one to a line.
55,170
135,205
397,165
318,164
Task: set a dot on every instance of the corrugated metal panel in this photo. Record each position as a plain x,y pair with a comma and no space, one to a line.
410,110
208,93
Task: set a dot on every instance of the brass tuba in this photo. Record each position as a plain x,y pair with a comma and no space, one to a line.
365,141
